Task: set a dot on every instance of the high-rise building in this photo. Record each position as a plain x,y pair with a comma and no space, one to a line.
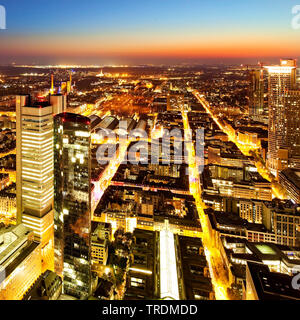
59,103
256,94
35,170
72,203
281,79
292,105
34,162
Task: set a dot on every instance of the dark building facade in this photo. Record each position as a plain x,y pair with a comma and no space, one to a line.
256,94
290,180
292,104
47,287
72,203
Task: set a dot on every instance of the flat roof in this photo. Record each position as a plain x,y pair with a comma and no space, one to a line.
271,285
293,175
265,249
73,117
5,272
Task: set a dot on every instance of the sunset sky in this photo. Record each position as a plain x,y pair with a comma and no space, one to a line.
147,31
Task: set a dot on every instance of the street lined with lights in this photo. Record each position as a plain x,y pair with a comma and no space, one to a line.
247,150
216,266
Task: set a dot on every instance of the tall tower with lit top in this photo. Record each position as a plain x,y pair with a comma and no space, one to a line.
35,171
281,79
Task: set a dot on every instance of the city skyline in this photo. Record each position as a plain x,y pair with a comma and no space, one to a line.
149,151
157,32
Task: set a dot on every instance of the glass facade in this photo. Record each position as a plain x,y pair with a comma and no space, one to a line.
256,93
72,203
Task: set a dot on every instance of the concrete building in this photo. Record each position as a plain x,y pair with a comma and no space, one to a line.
99,249
47,287
168,266
35,170
290,180
20,261
261,284
283,219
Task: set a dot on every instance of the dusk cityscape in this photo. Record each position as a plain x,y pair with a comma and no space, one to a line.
149,151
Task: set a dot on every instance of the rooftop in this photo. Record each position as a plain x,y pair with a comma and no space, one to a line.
72,117
293,175
271,285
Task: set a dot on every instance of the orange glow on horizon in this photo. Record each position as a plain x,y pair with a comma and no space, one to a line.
156,46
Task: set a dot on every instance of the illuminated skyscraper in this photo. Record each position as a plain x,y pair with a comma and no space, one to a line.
59,103
281,79
72,203
35,171
256,94
292,104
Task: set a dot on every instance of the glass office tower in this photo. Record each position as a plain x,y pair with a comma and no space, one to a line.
72,203
256,94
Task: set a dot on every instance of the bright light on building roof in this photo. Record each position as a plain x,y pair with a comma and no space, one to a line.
168,266
265,249
141,270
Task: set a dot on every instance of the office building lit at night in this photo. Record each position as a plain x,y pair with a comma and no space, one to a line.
282,79
149,152
72,203
35,171
256,94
